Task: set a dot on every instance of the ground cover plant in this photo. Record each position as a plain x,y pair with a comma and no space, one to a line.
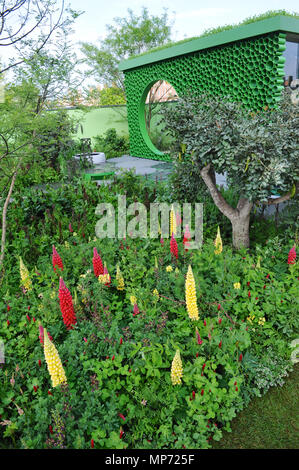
155,345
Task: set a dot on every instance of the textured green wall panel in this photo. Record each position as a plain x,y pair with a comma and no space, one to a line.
250,71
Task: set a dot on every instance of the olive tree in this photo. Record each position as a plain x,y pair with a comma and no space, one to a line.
258,151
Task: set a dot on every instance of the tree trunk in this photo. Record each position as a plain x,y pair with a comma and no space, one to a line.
240,226
239,216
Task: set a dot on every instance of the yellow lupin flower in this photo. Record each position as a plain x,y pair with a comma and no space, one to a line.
172,221
104,278
191,301
120,279
169,269
156,293
24,273
218,243
237,285
176,369
262,321
133,300
53,362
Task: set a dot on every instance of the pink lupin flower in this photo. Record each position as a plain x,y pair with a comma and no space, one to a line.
108,276
66,305
198,338
71,228
41,335
162,241
292,256
97,263
56,260
187,238
135,310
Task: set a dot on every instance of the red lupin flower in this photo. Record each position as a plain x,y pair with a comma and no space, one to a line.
292,256
92,443
50,429
193,395
121,434
202,392
56,260
240,357
66,305
98,267
173,246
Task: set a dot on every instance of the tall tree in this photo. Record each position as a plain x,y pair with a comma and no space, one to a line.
257,150
41,72
26,26
126,37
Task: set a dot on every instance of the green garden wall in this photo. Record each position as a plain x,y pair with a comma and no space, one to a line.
96,121
246,63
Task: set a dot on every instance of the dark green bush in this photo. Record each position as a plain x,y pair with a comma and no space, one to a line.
112,144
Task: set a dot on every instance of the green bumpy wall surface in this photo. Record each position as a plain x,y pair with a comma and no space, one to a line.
251,71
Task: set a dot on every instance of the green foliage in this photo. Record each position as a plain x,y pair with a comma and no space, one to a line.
116,385
112,144
107,96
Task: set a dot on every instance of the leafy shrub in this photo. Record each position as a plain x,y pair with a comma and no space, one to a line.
112,144
118,365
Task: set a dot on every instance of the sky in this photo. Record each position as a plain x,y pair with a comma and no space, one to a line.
192,17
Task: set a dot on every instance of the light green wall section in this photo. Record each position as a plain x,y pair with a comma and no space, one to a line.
98,120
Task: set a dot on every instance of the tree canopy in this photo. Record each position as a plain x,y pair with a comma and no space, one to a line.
258,151
127,36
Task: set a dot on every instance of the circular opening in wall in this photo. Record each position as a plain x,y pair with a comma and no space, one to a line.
161,94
